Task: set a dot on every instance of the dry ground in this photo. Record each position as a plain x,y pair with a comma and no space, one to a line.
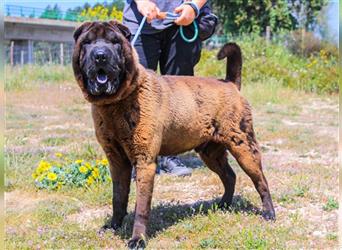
298,135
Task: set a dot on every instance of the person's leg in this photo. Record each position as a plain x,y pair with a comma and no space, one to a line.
177,56
148,49
172,165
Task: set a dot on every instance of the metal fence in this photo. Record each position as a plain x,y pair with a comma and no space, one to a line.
29,12
42,53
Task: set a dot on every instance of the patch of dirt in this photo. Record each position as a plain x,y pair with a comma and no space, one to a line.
21,201
85,218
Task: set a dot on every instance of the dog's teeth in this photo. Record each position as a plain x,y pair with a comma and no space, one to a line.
102,79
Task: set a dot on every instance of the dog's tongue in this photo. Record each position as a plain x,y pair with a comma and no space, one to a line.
102,78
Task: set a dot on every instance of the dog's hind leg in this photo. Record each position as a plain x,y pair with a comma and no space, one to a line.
215,157
243,146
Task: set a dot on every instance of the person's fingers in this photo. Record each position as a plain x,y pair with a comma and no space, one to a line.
153,14
148,17
178,9
180,20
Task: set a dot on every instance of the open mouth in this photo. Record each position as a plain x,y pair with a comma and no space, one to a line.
101,76
102,82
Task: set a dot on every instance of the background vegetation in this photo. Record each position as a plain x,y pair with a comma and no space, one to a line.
263,62
248,16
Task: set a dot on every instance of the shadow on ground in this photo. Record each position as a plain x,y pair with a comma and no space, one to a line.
165,215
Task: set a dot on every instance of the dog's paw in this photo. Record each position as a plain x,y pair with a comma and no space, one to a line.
109,227
136,243
224,205
269,215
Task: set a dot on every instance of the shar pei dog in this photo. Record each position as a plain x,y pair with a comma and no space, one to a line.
139,115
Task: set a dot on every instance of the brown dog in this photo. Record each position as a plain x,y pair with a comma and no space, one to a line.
139,115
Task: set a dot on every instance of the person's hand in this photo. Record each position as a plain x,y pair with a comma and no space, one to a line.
187,16
148,9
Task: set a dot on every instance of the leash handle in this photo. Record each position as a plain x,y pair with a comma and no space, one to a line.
189,40
138,31
173,17
167,16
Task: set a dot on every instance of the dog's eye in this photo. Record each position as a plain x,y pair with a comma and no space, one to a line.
86,41
114,40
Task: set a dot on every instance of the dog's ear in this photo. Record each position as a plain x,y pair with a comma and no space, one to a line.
82,28
122,28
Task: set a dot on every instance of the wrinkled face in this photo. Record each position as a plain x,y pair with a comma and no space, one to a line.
101,58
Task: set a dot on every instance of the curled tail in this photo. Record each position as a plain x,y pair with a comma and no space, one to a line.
232,52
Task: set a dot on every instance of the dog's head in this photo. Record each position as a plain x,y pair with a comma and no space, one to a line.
104,62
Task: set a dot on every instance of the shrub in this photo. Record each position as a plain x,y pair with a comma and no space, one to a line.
301,42
52,175
273,62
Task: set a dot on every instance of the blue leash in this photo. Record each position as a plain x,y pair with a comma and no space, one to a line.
170,17
138,31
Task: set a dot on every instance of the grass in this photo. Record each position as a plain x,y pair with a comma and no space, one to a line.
297,133
34,76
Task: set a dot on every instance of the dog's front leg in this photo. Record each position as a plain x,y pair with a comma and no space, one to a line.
144,181
121,179
120,170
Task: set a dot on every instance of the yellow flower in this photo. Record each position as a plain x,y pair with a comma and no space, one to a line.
59,185
87,164
52,176
90,180
83,169
96,173
34,175
78,161
104,161
43,166
59,155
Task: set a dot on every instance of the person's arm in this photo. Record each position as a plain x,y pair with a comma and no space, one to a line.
147,8
188,13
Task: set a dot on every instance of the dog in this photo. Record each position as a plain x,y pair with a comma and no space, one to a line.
139,115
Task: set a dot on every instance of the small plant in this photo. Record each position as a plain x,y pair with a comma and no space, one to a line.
331,204
208,243
300,191
53,175
253,240
286,198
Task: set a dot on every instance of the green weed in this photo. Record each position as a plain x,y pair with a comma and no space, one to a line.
330,205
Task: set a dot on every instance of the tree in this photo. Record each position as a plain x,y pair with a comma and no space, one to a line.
72,14
250,16
306,12
52,13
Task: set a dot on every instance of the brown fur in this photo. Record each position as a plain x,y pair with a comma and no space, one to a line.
166,115
232,52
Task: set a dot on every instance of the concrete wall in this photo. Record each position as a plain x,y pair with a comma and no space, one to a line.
20,28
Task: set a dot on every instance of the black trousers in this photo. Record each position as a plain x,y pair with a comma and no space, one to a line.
174,55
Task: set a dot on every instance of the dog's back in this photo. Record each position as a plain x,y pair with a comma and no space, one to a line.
195,104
